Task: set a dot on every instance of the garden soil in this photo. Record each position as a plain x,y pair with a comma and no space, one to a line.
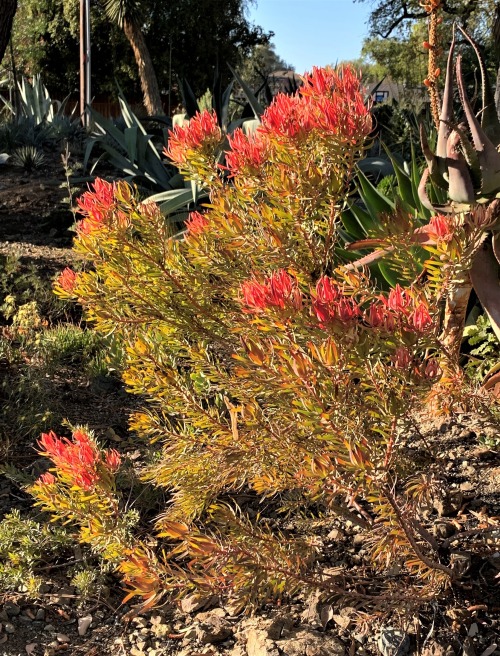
35,227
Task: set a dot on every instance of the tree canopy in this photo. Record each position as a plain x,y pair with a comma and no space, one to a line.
187,39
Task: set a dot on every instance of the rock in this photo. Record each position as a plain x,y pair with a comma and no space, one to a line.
258,644
30,648
63,595
393,642
140,622
435,649
307,642
39,615
359,540
62,637
212,628
443,529
311,613
473,629
237,650
343,618
468,648
467,486
11,609
49,628
195,602
448,504
9,627
161,630
335,535
83,624
280,627
134,651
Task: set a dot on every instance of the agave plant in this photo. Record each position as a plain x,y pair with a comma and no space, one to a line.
36,105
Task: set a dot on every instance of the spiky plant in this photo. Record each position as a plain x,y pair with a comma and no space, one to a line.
28,158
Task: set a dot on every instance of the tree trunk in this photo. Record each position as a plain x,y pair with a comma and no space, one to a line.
147,75
7,12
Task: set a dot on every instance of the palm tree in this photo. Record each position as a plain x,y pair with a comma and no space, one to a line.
127,14
8,10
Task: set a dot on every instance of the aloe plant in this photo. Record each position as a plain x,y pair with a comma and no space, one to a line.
461,179
466,165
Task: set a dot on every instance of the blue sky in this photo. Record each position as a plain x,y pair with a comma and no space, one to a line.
313,32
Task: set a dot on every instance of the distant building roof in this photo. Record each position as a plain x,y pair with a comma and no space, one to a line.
387,89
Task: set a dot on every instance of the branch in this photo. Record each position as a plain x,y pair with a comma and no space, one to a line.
463,12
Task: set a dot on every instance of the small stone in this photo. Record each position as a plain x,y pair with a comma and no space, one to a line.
468,648
30,648
435,649
160,630
258,644
62,637
134,651
393,642
443,529
12,609
335,535
467,486
40,614
140,622
49,628
83,624
194,602
473,629
307,642
9,627
212,629
359,539
448,504
63,595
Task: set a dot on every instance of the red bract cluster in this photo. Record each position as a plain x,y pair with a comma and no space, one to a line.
95,205
329,304
47,479
196,223
440,228
280,290
399,309
78,460
330,102
248,152
67,280
201,132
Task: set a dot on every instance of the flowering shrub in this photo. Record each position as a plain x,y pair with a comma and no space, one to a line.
269,368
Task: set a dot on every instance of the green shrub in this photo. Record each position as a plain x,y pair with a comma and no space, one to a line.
273,373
